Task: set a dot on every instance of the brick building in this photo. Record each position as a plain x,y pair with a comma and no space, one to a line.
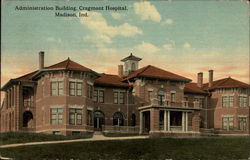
68,98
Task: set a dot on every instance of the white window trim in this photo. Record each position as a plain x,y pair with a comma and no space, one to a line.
57,106
57,79
242,116
76,106
90,108
75,80
230,116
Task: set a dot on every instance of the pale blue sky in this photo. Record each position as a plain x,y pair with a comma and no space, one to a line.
179,36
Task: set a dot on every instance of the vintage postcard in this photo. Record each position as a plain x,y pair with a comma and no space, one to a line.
107,79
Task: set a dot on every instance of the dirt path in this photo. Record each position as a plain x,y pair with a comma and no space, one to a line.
94,138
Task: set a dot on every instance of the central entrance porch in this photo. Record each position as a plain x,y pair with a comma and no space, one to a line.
168,121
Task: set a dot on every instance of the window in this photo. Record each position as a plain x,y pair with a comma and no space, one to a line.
116,97
56,115
78,88
133,67
118,119
75,88
227,101
75,116
71,88
56,132
224,101
75,133
150,95
173,96
119,97
242,101
231,101
227,123
160,97
89,91
28,101
122,95
242,123
90,118
201,102
99,96
95,97
57,88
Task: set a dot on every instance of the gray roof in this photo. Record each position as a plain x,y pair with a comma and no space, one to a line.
131,57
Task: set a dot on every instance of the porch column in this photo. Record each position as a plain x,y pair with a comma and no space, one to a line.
165,120
154,119
168,120
186,121
183,122
141,122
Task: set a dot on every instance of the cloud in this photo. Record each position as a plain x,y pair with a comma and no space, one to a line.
98,39
146,11
117,15
186,45
103,32
168,21
146,47
52,39
97,24
168,46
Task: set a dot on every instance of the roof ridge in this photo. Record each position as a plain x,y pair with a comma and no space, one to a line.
145,68
68,60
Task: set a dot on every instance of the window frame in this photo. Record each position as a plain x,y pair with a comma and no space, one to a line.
244,121
228,120
58,113
57,88
116,97
77,115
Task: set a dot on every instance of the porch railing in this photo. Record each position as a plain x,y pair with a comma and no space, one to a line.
120,129
168,103
175,128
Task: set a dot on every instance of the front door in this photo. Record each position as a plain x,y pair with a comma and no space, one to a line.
98,120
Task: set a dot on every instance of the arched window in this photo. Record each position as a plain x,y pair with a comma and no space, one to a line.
27,117
160,97
118,119
133,120
99,119
133,67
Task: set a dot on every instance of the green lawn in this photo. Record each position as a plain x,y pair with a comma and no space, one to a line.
22,137
166,148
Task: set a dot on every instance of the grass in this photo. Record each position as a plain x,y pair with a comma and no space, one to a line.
23,137
219,148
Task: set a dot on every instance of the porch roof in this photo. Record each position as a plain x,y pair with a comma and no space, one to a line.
168,108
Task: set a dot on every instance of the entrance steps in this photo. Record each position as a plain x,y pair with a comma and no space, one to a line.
207,132
98,133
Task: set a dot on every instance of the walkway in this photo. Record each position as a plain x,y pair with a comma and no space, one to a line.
96,137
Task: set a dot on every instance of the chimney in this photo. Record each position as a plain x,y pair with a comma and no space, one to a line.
120,70
211,74
200,79
41,60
